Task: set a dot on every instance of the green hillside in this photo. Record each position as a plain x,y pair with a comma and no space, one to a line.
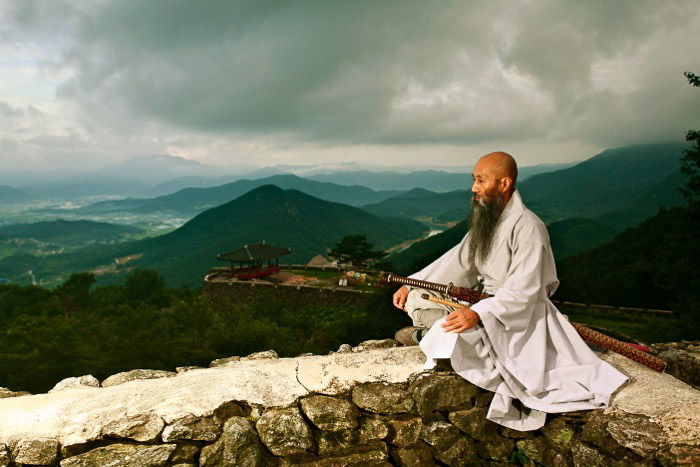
190,201
9,194
653,265
420,203
284,218
614,181
64,232
572,236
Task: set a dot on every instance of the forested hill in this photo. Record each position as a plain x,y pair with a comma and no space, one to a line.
654,265
69,232
286,218
629,182
9,194
190,201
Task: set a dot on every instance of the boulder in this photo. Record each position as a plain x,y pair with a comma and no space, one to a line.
460,452
193,428
238,445
382,398
5,393
374,344
143,427
404,429
76,381
418,455
442,392
284,431
125,376
4,456
474,423
123,455
372,428
262,355
224,361
375,454
184,453
36,451
330,413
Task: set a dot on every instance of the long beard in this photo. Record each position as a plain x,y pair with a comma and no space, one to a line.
482,226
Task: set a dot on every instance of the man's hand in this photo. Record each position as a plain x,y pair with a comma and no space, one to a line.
460,320
400,297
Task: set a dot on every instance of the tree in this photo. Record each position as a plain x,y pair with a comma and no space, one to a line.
75,292
690,162
356,250
146,286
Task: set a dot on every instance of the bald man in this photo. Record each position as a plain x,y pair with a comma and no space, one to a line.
515,343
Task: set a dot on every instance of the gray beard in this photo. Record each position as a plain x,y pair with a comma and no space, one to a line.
482,225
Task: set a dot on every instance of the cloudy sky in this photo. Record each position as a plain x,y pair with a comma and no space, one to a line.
88,83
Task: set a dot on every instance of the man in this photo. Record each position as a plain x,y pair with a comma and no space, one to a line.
515,343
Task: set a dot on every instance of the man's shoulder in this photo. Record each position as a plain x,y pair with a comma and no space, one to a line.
530,226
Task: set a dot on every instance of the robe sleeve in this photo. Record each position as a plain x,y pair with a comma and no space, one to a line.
527,282
453,266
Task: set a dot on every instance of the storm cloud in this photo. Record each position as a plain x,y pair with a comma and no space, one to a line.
370,73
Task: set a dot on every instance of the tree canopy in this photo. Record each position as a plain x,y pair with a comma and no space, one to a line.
690,161
356,250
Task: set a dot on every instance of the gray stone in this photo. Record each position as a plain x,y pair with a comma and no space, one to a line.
418,455
439,433
382,398
228,361
534,448
238,445
126,376
262,355
496,448
4,456
36,451
76,382
484,399
374,454
442,392
586,456
123,455
183,369
375,344
460,452
474,423
372,428
141,427
515,434
404,430
5,393
638,433
330,413
334,441
284,431
559,434
683,360
193,428
185,453
344,348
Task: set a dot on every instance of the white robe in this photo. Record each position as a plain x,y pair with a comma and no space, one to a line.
523,348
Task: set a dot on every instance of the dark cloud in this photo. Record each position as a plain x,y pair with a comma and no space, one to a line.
369,72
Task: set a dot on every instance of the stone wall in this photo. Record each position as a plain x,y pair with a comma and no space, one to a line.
246,292
368,405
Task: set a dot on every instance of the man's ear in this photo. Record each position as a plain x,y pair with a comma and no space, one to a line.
505,184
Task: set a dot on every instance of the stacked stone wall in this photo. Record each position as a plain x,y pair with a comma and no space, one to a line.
392,414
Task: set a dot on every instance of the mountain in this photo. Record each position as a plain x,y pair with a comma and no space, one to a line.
191,201
572,236
69,232
421,203
652,265
9,194
123,178
286,218
611,181
433,180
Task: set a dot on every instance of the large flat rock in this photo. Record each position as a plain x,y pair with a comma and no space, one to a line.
77,415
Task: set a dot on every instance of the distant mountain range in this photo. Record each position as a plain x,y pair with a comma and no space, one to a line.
191,201
9,194
287,218
420,203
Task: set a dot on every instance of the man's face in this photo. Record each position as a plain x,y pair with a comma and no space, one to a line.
485,185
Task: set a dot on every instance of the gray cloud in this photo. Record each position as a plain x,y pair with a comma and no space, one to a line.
368,72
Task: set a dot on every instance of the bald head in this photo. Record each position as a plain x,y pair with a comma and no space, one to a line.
500,164
495,175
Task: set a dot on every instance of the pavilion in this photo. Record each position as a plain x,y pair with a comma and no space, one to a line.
255,260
